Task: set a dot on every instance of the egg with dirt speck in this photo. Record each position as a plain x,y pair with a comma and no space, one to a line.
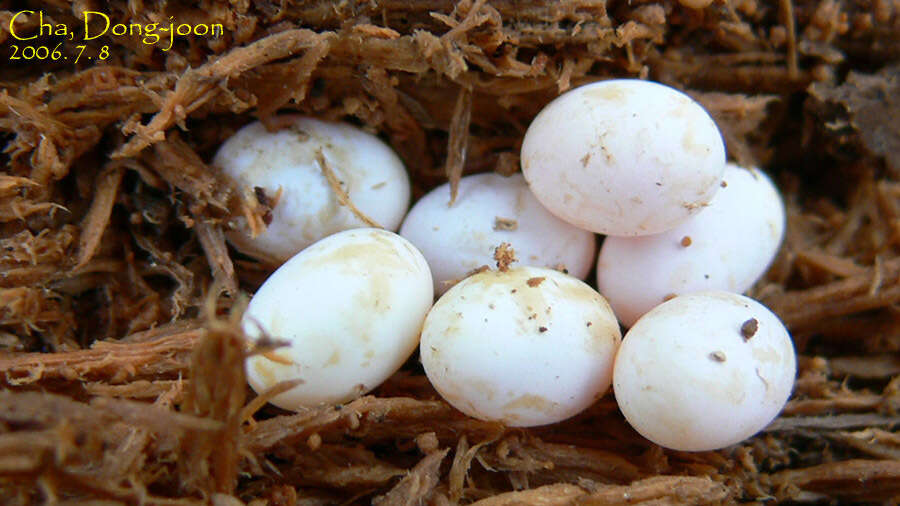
350,308
623,157
527,346
704,371
727,246
491,209
283,169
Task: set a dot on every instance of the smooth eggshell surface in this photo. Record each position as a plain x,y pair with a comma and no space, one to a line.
491,209
691,376
529,346
727,246
308,209
351,306
623,157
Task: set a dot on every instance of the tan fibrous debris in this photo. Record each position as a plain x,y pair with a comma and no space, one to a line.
504,255
340,192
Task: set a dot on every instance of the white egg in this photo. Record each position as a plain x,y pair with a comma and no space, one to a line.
491,209
308,209
727,246
704,371
623,157
529,346
351,307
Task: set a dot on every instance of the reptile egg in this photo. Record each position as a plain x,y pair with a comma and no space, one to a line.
704,371
282,167
491,209
623,157
351,307
727,246
528,346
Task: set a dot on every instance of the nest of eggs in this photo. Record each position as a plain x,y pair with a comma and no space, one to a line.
122,362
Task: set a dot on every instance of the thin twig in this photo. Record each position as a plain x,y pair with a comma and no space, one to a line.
339,191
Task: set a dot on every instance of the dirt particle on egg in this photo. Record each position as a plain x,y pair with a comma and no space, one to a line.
260,194
669,297
693,206
749,328
507,224
717,356
585,159
504,255
561,268
723,184
686,241
588,324
542,329
535,281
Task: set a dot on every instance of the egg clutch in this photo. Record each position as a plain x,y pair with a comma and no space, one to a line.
530,343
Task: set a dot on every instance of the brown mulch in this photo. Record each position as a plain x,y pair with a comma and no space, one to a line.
121,361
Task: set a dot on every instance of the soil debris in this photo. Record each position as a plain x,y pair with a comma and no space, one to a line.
505,224
504,255
749,328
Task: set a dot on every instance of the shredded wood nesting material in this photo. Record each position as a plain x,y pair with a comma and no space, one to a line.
340,192
120,353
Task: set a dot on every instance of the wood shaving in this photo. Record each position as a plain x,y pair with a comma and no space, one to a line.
339,191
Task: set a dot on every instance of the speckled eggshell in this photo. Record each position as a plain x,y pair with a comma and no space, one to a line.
351,306
526,347
491,209
690,375
727,246
308,209
623,157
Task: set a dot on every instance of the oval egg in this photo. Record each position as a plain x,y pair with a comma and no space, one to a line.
528,346
727,246
351,307
491,209
704,371
282,168
623,157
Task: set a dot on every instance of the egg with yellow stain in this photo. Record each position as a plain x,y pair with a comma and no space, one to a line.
623,157
350,307
527,346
